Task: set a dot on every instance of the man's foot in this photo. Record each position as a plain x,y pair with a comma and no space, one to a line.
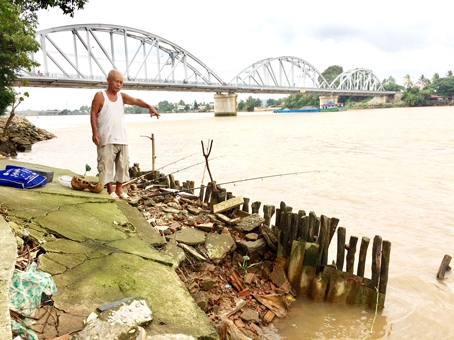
114,195
123,195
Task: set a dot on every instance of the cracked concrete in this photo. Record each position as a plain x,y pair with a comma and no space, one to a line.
99,250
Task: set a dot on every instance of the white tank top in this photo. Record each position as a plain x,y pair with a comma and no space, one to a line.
111,124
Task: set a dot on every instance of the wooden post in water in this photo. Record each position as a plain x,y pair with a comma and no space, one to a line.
341,236
295,264
443,266
323,241
351,254
384,266
362,256
312,222
376,256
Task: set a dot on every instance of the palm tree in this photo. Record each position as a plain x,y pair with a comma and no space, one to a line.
435,77
407,81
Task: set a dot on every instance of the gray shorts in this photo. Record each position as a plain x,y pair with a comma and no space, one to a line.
113,163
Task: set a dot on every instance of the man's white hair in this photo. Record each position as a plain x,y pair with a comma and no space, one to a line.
113,72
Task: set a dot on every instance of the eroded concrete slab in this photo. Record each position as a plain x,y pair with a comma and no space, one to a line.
98,251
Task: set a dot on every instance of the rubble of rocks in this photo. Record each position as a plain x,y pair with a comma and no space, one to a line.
227,259
21,136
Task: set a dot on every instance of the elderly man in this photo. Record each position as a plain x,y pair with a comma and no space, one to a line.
109,133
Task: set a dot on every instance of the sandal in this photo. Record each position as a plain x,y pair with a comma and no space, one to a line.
114,196
123,196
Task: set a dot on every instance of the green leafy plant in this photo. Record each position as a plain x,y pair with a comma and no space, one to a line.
87,168
245,266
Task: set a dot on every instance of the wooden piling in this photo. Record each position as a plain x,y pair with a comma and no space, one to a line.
376,256
311,254
172,182
268,212
323,241
303,228
222,194
306,280
246,204
362,256
312,223
255,207
351,254
295,264
384,266
202,192
208,192
443,267
341,236
333,222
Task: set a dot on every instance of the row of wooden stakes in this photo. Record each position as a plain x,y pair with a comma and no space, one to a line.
304,240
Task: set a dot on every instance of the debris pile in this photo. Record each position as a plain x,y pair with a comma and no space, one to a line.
225,256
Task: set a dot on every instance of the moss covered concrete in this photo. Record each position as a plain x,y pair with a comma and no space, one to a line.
100,250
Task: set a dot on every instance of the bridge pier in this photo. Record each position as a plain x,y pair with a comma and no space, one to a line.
330,98
225,104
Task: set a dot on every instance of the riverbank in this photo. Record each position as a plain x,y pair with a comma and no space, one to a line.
21,135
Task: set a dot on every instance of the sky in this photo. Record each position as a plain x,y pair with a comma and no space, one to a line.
390,38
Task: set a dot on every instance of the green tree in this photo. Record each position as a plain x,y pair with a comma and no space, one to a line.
413,96
444,86
331,73
449,74
241,105
435,77
407,81
18,21
165,106
17,39
252,102
29,8
391,85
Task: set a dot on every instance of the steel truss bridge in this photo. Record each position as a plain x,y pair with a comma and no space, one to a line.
81,56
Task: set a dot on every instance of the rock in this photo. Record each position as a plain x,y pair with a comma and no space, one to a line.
121,321
249,223
208,284
251,236
202,300
250,315
175,252
251,248
190,236
218,246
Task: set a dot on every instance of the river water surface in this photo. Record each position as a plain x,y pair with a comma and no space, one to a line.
387,172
